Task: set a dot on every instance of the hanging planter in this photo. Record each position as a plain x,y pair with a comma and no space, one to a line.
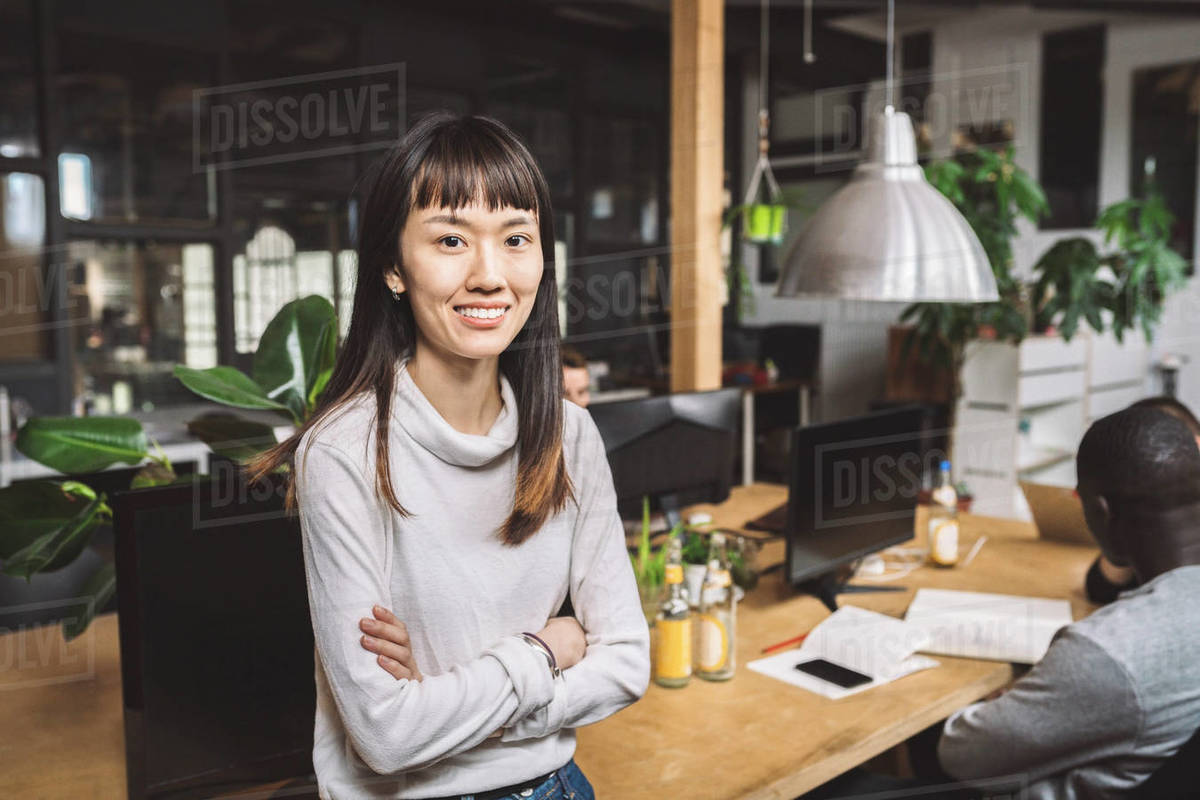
763,223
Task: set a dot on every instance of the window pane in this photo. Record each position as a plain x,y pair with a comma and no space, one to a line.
288,252
347,280
623,160
1072,96
125,112
148,306
1166,119
18,92
25,294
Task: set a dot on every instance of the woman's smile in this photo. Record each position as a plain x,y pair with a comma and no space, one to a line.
482,315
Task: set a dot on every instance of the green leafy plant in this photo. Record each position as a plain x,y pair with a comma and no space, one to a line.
292,366
695,551
650,565
46,524
1128,286
993,193
736,277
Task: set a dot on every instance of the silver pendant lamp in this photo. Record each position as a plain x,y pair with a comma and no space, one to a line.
889,235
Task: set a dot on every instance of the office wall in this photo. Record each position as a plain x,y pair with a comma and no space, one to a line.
1130,47
1001,46
1011,38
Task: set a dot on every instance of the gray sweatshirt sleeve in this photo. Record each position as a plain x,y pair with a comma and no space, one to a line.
616,668
1075,707
394,725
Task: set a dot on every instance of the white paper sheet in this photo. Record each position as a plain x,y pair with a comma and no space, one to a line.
864,641
1001,627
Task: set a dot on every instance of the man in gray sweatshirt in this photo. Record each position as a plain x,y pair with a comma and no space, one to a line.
1117,693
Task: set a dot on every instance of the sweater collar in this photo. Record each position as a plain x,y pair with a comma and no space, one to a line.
430,429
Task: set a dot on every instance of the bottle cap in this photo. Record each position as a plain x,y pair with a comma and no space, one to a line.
945,466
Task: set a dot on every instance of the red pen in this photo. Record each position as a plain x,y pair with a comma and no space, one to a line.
781,645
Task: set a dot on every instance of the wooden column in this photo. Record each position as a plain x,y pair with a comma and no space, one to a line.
697,172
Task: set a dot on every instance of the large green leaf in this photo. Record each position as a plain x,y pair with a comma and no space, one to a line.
293,351
97,591
44,525
231,435
230,386
32,509
82,444
327,354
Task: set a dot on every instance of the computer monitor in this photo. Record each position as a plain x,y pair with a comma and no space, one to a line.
677,449
853,490
216,639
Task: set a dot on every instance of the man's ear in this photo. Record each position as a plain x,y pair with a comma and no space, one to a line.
1113,546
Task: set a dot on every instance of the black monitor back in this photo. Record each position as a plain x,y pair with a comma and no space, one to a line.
677,446
216,638
853,487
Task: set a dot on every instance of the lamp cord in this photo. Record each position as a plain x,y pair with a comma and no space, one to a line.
891,36
764,44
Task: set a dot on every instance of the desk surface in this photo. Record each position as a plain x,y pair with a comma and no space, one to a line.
754,737
751,737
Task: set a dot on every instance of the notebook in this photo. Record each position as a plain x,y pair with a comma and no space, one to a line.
873,644
999,627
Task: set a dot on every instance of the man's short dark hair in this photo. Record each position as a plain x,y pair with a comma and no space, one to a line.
573,358
1140,458
1172,407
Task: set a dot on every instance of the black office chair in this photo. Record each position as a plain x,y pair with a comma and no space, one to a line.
1177,779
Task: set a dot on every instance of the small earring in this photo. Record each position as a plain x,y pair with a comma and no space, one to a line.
395,294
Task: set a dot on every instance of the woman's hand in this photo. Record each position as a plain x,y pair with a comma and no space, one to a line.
565,638
387,636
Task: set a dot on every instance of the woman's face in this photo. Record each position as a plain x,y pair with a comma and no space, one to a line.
471,275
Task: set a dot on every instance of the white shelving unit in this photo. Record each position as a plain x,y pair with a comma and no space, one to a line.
1058,388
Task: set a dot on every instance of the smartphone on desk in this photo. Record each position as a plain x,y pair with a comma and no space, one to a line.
833,673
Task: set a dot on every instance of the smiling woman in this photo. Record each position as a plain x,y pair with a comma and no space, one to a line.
438,558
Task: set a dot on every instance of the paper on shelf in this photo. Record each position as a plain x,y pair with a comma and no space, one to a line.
864,641
1001,627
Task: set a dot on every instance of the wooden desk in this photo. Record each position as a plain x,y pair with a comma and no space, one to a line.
754,737
751,737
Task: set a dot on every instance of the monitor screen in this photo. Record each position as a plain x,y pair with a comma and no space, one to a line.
216,639
676,449
853,487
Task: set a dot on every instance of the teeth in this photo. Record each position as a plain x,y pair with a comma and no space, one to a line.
481,313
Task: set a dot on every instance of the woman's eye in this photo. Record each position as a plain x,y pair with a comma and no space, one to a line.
451,241
516,240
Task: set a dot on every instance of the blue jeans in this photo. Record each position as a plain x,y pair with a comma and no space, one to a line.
567,783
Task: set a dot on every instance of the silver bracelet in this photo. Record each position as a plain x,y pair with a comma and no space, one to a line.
537,644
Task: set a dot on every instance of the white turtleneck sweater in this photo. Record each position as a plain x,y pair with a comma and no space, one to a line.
465,598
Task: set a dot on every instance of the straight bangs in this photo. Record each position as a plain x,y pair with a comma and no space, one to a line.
472,165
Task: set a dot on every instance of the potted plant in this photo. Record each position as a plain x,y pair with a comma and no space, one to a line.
762,224
695,560
649,567
46,524
993,193
292,365
1129,285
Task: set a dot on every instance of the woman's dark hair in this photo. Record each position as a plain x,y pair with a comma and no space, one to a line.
447,161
